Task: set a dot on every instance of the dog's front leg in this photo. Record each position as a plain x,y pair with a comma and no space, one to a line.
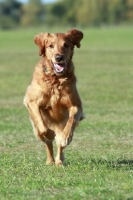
65,137
40,129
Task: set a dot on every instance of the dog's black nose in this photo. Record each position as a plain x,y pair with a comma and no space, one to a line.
59,58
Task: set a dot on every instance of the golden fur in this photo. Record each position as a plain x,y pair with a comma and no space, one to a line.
52,99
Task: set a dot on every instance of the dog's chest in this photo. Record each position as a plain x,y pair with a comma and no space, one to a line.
56,107
57,93
58,98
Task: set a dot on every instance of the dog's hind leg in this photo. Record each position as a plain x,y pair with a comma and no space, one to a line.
50,154
48,144
60,155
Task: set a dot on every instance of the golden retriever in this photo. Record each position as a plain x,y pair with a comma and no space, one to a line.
52,98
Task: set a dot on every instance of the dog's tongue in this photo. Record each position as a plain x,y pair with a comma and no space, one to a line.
59,68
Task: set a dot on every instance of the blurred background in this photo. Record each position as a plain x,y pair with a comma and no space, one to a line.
84,13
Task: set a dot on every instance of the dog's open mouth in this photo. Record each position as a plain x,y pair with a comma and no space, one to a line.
59,68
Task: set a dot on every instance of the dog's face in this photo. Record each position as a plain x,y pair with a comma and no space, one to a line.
58,48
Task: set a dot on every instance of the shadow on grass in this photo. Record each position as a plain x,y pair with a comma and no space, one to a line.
93,162
125,162
120,163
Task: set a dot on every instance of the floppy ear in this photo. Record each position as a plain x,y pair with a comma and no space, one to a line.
40,41
75,36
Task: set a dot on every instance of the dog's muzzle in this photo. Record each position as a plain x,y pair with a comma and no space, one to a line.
59,68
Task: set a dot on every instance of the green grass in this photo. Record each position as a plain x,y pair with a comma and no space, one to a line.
99,161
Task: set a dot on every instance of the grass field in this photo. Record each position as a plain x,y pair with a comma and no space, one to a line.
99,161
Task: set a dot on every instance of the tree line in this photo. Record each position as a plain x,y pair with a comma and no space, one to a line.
65,12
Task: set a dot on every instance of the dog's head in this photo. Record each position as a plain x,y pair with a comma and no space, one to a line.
58,48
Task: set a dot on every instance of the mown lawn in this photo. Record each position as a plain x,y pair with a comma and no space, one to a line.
99,161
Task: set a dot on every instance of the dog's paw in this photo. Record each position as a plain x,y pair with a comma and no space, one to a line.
66,141
58,163
63,141
50,162
50,135
47,135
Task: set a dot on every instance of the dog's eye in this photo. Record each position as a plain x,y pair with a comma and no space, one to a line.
65,45
51,46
